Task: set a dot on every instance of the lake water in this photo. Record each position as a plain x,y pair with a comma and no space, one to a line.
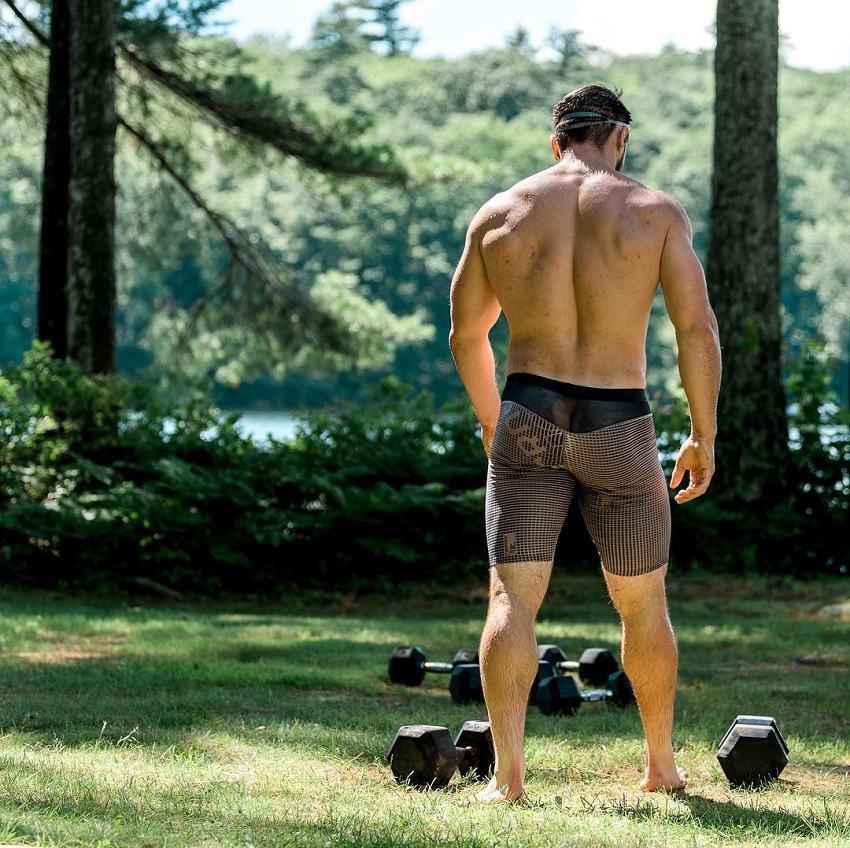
277,424
282,424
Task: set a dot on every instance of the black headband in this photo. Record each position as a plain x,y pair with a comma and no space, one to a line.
576,120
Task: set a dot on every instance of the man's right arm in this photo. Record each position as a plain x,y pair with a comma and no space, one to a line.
686,298
474,310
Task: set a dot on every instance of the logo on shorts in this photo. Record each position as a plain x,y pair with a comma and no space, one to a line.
510,543
524,437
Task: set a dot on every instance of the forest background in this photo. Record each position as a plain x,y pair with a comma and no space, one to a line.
468,127
382,255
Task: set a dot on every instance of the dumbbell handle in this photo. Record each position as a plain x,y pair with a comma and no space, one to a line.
467,758
567,665
596,694
438,667
620,694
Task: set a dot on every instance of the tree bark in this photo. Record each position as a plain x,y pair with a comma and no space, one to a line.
743,255
53,261
91,219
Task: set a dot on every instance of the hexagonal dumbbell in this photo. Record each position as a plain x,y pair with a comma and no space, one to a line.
753,751
545,670
466,687
425,755
561,696
593,666
465,684
408,665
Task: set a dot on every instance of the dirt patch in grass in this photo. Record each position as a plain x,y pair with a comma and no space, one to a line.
72,650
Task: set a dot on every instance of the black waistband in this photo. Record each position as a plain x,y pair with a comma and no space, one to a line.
572,390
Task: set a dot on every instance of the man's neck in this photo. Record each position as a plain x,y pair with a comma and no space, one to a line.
588,157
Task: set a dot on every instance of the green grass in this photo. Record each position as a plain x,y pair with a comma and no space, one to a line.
149,724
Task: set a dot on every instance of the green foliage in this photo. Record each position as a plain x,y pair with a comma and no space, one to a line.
383,26
463,129
806,533
103,482
504,82
150,21
815,216
821,450
336,33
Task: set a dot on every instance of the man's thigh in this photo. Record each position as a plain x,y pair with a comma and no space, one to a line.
525,511
624,500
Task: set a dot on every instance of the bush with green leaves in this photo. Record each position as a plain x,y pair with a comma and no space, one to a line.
105,481
806,533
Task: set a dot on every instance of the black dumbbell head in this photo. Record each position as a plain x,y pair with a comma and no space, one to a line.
423,755
551,653
558,696
407,665
465,656
465,684
545,670
476,735
595,665
753,751
621,689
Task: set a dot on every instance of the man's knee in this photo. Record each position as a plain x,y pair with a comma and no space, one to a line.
523,583
640,595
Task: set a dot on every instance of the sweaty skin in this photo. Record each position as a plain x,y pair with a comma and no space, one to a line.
573,256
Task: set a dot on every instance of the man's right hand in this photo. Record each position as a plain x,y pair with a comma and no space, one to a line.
696,456
487,434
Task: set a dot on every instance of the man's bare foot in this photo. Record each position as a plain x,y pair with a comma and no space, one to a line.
495,794
664,782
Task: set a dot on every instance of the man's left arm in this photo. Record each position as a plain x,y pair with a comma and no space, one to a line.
474,311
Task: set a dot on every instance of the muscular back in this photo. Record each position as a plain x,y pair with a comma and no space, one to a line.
573,256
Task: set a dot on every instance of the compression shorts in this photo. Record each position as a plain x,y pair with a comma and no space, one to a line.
554,440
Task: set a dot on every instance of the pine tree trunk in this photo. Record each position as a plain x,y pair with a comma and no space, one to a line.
53,262
743,255
91,219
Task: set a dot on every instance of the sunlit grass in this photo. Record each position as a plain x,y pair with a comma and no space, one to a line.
144,724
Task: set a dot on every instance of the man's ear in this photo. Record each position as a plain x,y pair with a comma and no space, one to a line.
555,148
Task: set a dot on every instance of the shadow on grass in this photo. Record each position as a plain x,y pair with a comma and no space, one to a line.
331,697
193,812
316,681
724,817
748,819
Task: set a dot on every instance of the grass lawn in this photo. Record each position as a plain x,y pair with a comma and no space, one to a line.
146,723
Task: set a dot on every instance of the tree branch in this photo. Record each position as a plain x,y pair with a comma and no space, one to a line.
303,142
318,147
245,255
30,27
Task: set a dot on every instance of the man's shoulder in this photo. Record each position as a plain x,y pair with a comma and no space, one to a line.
522,189
495,209
656,200
645,193
521,192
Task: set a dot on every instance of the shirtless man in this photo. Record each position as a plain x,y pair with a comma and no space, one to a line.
573,256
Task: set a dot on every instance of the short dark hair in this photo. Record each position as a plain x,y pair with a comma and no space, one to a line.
596,99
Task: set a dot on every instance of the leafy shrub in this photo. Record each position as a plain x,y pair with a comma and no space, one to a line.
807,532
103,482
